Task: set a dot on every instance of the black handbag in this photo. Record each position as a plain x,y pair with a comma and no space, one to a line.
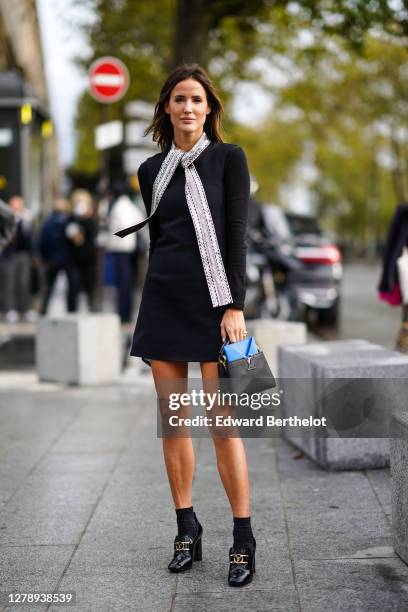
247,375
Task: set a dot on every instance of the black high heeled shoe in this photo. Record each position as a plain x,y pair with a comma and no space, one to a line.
242,565
186,550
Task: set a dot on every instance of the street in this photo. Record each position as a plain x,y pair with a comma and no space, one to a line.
86,506
363,315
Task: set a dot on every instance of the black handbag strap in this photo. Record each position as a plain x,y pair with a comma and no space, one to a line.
226,341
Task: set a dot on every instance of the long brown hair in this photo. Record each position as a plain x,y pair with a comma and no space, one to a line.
161,125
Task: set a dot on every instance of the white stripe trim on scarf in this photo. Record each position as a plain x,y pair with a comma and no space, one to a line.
197,203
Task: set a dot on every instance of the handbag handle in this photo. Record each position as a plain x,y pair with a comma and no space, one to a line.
222,360
226,341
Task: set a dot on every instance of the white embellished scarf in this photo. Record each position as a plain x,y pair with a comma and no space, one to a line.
200,213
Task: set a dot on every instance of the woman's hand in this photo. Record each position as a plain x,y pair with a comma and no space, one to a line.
233,325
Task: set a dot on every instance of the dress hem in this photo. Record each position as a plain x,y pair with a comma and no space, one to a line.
183,359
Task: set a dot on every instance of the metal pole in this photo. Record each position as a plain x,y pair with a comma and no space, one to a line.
105,158
103,189
24,161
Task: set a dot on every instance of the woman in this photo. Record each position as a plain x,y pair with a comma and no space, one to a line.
194,291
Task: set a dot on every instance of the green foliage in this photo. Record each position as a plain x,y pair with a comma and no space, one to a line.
336,71
272,150
139,35
353,110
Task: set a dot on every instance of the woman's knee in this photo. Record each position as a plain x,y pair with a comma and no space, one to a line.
170,378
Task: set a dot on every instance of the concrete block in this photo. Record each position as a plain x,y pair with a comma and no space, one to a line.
80,349
270,334
330,378
399,483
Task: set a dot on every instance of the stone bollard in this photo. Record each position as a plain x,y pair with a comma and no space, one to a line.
79,349
270,334
348,382
399,483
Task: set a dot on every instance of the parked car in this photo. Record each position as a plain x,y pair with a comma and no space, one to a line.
319,279
270,260
304,266
269,292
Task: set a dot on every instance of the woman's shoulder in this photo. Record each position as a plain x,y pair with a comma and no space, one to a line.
231,155
150,165
229,151
226,147
152,160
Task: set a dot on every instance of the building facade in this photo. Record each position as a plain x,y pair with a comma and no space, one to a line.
28,148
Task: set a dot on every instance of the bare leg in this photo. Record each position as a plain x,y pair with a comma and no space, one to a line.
231,456
178,451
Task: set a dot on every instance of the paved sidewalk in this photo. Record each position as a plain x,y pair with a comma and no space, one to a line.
85,506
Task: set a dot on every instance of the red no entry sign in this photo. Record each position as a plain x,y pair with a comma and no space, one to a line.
109,79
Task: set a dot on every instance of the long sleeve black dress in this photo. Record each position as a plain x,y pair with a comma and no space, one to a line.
176,320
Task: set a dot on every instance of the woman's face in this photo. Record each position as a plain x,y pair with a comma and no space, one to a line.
188,107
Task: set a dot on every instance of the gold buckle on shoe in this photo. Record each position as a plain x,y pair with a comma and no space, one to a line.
182,545
239,558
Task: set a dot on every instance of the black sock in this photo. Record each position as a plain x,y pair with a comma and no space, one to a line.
186,521
242,531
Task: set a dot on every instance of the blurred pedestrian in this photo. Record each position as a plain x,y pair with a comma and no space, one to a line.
139,258
16,265
7,225
54,251
389,286
102,217
81,232
119,252
7,228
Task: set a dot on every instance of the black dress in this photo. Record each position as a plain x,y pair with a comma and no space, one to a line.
176,320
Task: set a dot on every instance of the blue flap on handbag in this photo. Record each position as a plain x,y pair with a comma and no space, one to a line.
243,348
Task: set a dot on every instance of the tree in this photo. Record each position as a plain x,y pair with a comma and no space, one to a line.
352,110
341,91
225,35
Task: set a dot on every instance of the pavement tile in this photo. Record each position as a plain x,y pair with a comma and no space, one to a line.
32,569
245,598
331,529
118,591
84,441
70,463
368,585
52,489
336,534
45,525
380,480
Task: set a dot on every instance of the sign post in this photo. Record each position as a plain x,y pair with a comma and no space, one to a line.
108,83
